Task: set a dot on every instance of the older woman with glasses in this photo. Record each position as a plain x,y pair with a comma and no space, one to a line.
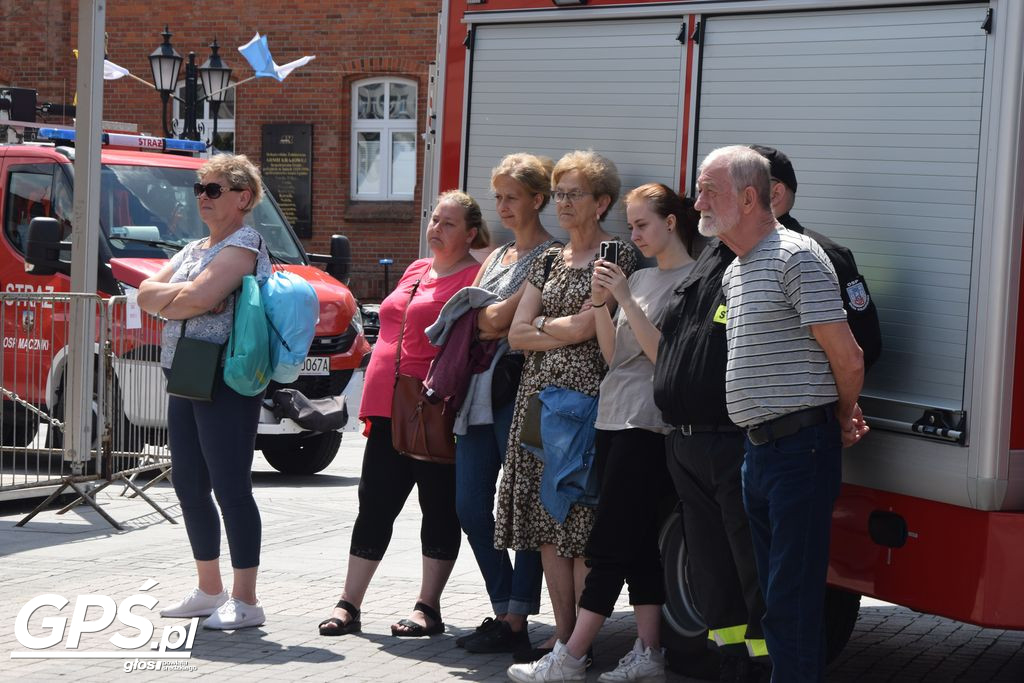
554,325
193,291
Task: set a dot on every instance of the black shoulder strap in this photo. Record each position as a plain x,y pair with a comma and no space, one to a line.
549,261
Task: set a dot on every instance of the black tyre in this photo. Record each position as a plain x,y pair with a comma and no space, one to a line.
683,632
680,611
125,437
300,453
682,620
841,608
19,425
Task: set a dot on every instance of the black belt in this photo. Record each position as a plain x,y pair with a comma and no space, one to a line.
688,430
790,424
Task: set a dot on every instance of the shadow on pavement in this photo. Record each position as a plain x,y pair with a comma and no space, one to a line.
252,645
273,479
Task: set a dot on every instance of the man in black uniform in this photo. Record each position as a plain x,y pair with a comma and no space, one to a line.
705,453
860,309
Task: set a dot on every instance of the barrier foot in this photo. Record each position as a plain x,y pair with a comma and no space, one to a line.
139,492
165,473
84,497
42,506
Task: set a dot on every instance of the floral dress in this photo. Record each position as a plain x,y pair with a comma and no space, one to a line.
522,522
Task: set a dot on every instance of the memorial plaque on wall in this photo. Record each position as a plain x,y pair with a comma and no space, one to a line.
287,167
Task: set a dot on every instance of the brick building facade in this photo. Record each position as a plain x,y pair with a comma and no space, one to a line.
353,40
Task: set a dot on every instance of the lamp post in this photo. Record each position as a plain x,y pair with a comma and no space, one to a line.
214,74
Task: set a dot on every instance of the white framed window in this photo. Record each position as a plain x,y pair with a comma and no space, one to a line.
225,141
383,139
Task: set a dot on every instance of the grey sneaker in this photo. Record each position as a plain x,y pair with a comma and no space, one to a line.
558,665
235,614
195,604
639,664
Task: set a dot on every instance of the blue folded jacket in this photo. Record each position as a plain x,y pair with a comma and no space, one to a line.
567,431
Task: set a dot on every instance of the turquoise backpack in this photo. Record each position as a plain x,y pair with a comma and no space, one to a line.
247,367
292,311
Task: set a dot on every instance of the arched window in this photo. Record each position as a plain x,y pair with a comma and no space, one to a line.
225,141
383,139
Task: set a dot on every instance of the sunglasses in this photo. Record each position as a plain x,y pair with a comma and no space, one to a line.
212,190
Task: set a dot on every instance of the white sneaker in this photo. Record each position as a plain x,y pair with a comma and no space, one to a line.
640,664
557,665
235,614
195,604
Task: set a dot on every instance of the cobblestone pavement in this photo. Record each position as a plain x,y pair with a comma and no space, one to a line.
306,527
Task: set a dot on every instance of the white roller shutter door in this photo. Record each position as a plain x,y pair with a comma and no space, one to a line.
549,88
879,111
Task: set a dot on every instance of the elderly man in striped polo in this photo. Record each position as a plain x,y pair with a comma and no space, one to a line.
793,377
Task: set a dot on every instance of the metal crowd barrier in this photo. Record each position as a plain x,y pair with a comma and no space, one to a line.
128,393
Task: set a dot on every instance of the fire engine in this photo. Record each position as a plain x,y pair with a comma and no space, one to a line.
903,120
147,213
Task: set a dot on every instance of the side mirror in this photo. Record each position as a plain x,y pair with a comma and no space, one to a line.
340,265
43,248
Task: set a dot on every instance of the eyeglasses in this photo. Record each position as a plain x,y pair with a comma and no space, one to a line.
573,196
213,190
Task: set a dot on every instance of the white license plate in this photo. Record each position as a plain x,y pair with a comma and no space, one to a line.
316,365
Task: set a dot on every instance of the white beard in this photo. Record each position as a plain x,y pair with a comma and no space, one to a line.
708,228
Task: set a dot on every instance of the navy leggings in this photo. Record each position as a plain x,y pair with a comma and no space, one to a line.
212,446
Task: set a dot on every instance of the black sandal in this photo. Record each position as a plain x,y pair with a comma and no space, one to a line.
336,627
413,630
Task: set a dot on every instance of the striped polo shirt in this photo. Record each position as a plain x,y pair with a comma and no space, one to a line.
773,295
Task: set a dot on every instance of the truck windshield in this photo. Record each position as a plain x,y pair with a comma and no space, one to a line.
149,211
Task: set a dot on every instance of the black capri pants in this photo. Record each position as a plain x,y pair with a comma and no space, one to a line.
385,484
623,546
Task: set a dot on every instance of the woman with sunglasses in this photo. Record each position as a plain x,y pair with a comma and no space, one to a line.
194,293
554,317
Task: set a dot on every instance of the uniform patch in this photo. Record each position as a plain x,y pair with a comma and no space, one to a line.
720,315
858,295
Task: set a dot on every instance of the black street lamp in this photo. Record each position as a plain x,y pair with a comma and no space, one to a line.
216,76
214,73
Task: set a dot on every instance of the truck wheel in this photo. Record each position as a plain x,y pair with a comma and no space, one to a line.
300,454
20,425
125,437
841,608
680,610
683,632
682,623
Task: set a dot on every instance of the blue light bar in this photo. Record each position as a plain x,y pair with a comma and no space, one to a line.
122,140
185,145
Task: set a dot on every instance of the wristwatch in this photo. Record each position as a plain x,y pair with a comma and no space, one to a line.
540,322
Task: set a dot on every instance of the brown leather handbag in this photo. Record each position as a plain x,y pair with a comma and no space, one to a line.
420,428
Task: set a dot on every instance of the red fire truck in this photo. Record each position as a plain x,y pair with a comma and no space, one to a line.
147,213
904,122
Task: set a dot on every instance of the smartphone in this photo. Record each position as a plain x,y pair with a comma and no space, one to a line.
610,251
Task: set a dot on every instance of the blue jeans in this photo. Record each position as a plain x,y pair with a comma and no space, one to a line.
479,455
789,488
